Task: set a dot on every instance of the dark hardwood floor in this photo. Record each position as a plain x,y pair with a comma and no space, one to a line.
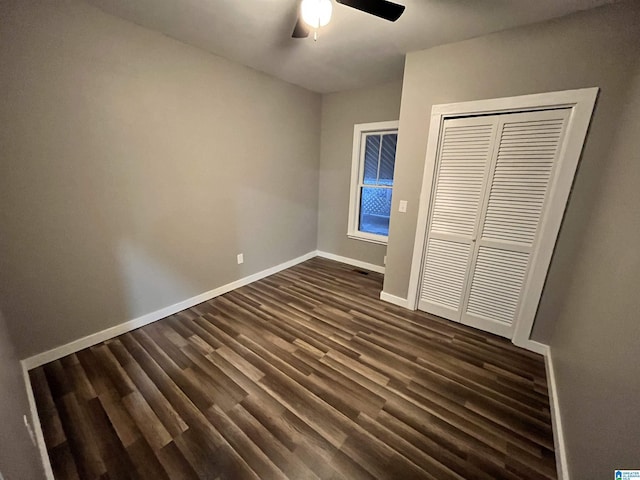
303,375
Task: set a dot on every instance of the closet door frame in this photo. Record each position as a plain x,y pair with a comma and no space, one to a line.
581,102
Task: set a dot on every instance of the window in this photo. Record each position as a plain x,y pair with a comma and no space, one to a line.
374,158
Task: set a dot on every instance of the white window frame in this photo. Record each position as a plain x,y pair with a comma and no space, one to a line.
360,131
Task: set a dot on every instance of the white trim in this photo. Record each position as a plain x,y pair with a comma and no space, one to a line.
576,131
535,347
423,208
35,423
536,101
357,166
77,345
351,261
582,103
562,465
399,301
95,338
368,237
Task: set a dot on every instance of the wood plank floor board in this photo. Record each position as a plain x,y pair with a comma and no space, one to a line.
174,464
63,464
305,374
259,435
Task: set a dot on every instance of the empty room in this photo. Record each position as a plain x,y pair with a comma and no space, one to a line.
319,239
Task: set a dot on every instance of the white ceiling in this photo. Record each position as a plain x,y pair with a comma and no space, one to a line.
354,50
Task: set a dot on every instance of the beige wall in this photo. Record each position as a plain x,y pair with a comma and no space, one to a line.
340,112
588,49
590,297
19,459
134,168
595,345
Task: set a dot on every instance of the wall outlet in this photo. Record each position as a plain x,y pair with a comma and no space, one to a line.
403,206
30,430
240,258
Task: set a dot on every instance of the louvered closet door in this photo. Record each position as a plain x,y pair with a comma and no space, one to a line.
522,172
465,151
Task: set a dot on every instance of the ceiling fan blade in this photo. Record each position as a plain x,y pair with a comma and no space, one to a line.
380,8
301,30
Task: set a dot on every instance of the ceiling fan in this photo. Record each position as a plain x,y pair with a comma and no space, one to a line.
314,14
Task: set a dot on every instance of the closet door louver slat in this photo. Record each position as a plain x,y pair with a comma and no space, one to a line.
461,178
522,185
521,173
445,272
465,150
490,192
495,291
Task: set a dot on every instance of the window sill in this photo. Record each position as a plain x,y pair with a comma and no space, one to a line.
380,240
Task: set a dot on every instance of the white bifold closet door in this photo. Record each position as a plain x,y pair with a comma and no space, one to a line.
489,196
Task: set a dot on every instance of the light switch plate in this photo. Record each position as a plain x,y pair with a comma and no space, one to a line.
240,258
403,206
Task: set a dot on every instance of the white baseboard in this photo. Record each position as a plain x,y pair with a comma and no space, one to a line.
95,338
558,437
533,346
399,301
35,423
351,261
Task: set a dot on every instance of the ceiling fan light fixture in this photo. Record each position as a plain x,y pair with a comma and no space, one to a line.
316,13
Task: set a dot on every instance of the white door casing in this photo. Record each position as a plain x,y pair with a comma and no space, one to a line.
523,242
